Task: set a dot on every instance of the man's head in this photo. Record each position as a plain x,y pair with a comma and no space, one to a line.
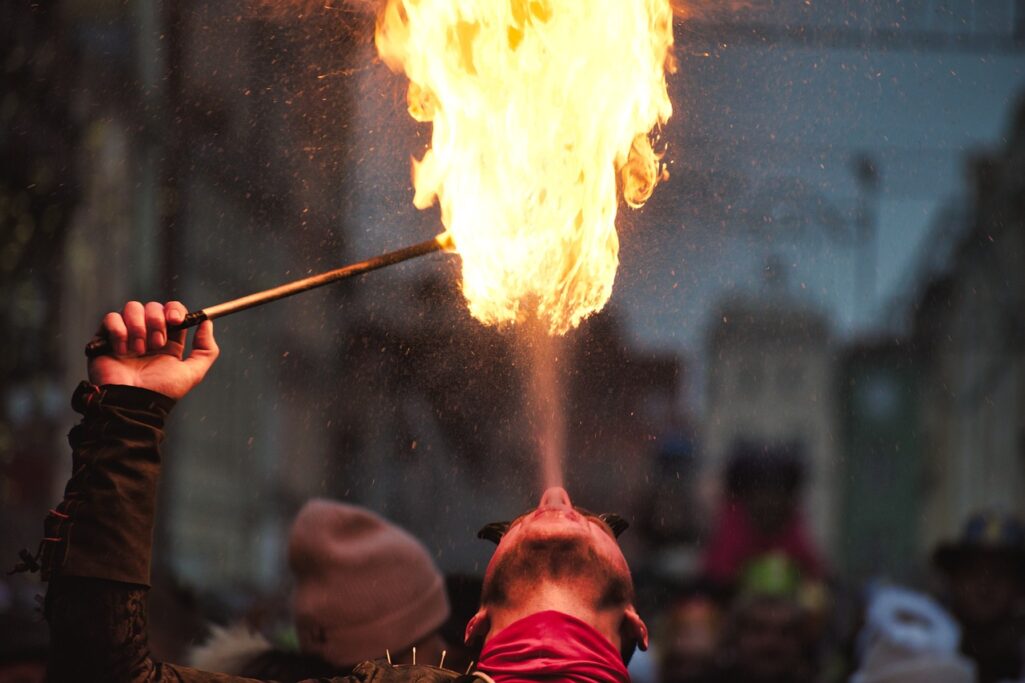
767,479
984,568
984,587
558,557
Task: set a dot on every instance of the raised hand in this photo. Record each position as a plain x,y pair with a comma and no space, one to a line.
146,356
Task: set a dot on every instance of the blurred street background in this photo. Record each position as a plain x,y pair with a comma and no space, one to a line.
819,319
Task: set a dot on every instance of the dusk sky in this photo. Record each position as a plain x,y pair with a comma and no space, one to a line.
788,120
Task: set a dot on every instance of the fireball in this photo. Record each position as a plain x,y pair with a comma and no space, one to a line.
543,115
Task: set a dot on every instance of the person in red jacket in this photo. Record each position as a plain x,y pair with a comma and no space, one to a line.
557,601
761,514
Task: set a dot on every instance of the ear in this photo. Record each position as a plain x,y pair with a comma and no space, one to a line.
633,628
478,627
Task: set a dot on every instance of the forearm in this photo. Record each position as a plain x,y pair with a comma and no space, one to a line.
104,526
96,551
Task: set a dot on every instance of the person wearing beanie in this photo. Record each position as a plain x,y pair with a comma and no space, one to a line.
556,602
364,588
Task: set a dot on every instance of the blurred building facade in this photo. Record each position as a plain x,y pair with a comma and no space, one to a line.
879,470
253,203
41,188
771,369
204,173
969,329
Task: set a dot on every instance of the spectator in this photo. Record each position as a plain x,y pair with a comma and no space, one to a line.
984,572
761,513
363,587
771,637
908,638
687,643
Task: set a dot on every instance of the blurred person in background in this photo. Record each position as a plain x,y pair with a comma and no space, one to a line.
772,635
364,588
686,643
909,638
984,584
761,513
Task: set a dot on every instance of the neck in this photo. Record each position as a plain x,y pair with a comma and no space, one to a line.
552,646
560,599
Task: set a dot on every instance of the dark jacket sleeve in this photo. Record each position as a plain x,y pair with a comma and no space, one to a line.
96,549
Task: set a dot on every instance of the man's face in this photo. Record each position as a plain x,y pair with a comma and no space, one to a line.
769,640
770,508
560,553
984,589
691,641
579,548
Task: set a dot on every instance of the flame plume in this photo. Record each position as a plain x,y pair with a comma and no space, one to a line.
542,114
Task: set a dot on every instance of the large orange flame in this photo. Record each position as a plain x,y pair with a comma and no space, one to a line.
543,112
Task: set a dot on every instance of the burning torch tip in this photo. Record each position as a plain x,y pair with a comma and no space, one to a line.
445,241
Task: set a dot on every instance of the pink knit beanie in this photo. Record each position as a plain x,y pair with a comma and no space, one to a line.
362,584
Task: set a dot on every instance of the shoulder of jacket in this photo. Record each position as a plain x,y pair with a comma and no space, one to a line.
380,671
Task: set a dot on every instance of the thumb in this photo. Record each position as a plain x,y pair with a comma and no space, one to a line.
204,349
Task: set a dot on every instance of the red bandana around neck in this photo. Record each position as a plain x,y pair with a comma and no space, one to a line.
552,646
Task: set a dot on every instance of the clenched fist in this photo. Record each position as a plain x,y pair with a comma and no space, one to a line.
146,356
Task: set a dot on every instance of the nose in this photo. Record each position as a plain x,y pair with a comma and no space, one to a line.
555,497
